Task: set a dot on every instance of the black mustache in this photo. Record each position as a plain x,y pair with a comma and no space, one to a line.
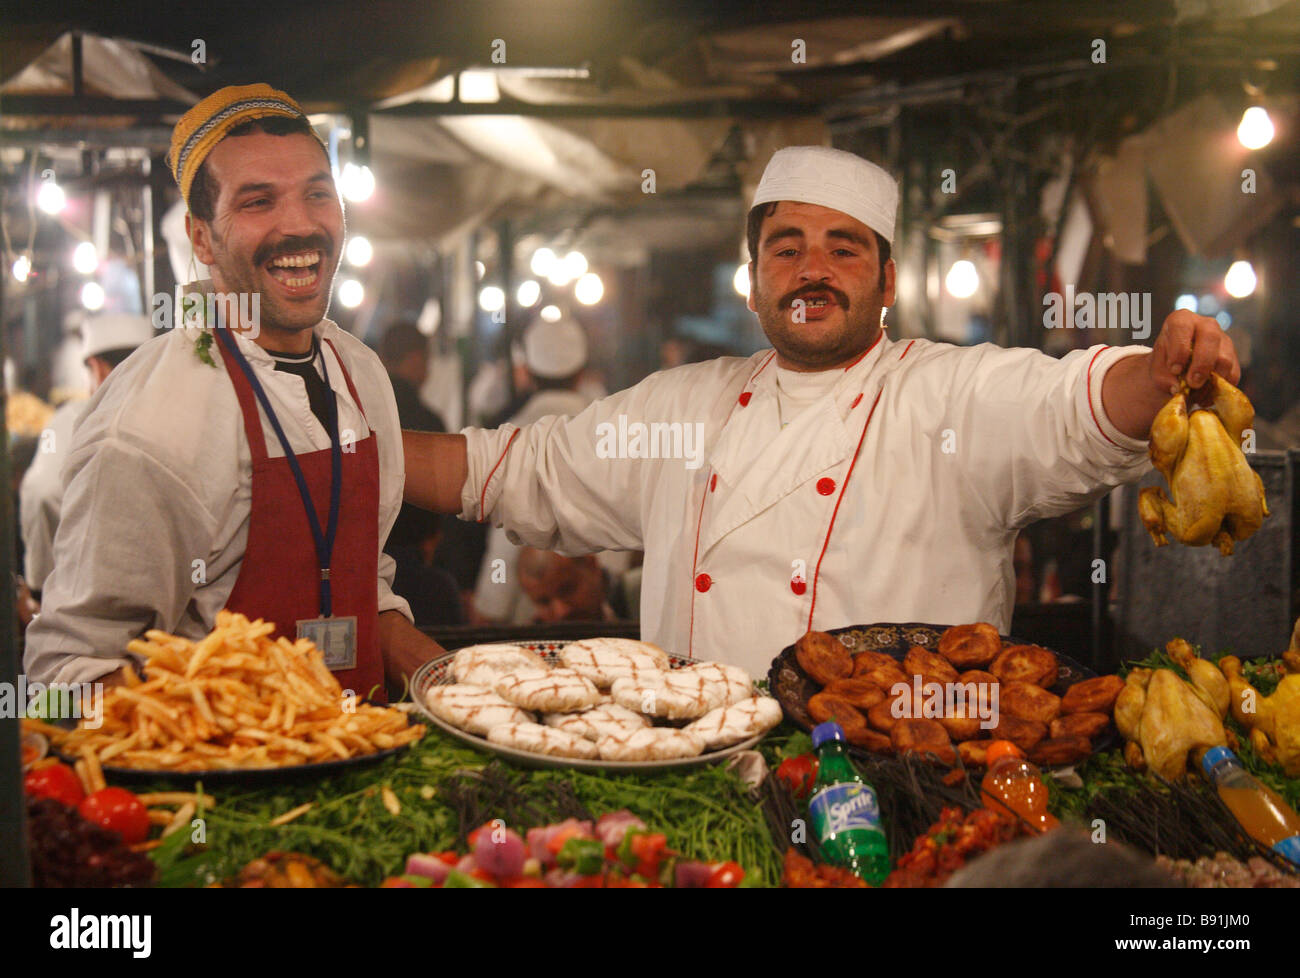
293,246
839,296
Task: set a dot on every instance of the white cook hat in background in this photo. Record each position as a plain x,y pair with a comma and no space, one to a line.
114,331
555,350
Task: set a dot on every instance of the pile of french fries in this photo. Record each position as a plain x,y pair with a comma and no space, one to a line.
236,699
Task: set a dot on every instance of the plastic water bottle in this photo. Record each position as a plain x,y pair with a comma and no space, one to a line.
844,811
1264,815
1014,786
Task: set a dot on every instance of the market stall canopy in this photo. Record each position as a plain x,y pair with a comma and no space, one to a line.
89,66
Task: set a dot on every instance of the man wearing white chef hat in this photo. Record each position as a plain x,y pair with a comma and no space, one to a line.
106,340
843,477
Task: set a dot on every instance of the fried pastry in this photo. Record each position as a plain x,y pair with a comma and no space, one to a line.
966,725
978,676
1092,695
1026,664
870,740
882,716
923,737
1023,733
886,676
1060,750
1028,702
865,661
1078,725
862,693
970,646
823,657
974,753
930,666
825,707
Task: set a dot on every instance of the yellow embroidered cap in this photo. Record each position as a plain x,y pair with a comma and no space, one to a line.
206,124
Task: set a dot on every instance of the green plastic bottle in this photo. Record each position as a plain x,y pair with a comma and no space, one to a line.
844,811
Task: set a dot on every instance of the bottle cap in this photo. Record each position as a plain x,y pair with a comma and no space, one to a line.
1214,757
830,730
1000,749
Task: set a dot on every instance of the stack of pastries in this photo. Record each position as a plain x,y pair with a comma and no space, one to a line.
953,702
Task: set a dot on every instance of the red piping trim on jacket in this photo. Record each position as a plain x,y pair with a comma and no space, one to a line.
1091,410
699,522
844,488
482,499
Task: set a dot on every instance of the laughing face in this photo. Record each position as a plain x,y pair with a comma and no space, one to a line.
276,229
816,286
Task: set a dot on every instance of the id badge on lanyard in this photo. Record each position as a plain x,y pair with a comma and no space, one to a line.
335,636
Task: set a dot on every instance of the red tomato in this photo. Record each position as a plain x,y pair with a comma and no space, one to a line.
117,810
482,874
725,875
523,883
450,857
799,773
57,781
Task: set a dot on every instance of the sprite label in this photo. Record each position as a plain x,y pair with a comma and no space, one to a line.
843,807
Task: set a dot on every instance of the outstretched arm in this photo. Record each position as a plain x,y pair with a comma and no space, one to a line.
436,469
1190,346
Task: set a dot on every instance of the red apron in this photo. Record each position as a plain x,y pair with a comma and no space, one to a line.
279,579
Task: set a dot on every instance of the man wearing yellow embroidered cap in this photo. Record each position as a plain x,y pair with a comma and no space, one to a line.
279,228
843,477
252,462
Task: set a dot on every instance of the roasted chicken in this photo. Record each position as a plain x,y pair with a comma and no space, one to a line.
1207,681
1216,496
1163,719
1274,720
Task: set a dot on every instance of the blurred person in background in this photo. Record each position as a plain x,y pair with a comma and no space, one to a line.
431,591
554,357
428,588
404,351
568,588
107,340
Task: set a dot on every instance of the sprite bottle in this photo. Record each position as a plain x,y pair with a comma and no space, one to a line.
844,811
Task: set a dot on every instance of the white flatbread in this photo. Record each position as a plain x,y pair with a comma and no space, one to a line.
735,682
731,724
629,646
602,665
650,744
598,722
674,695
548,691
482,664
543,740
473,708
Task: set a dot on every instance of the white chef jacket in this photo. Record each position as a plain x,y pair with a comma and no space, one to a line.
504,600
158,490
896,496
40,496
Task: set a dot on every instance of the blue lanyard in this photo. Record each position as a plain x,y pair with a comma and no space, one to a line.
324,541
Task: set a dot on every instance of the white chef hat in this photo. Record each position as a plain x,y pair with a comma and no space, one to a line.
114,331
555,350
832,178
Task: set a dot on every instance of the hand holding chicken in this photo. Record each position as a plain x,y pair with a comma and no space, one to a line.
1216,496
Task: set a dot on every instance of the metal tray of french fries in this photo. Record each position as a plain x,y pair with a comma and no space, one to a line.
234,706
